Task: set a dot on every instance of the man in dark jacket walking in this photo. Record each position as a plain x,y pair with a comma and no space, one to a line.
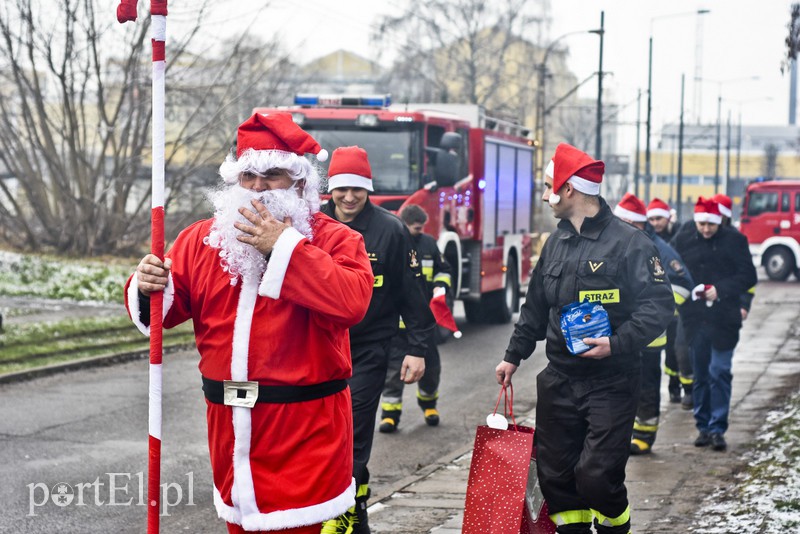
587,401
719,260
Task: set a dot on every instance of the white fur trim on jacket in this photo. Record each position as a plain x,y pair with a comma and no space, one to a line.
243,492
133,302
272,281
349,180
282,519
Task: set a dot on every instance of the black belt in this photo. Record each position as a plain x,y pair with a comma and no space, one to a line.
215,391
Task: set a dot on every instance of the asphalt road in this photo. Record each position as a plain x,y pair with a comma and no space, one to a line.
86,431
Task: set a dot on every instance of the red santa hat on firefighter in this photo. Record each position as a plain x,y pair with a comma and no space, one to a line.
349,168
631,208
576,167
272,141
725,204
658,208
707,210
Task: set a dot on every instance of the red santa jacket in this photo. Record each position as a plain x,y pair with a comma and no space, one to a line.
277,465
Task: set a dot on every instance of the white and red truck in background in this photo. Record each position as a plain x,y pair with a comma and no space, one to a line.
771,221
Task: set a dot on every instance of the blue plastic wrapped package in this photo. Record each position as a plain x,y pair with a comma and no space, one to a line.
583,319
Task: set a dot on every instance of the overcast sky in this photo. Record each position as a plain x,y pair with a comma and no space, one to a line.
741,39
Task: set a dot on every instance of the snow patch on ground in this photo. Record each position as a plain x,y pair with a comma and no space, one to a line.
766,497
56,278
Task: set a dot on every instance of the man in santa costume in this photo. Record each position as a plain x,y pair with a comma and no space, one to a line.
719,260
271,286
586,402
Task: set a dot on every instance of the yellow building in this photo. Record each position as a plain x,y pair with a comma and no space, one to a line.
769,152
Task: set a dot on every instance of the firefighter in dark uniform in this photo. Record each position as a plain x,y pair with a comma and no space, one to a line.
396,290
437,279
632,210
677,363
587,402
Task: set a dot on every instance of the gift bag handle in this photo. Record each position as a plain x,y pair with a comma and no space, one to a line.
508,403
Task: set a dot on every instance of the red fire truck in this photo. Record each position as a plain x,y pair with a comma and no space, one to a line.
771,221
473,176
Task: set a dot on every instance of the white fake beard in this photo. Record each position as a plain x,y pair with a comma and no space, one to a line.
241,259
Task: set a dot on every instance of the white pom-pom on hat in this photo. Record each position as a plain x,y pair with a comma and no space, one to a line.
322,155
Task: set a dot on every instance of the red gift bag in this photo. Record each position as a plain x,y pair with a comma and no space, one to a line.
503,495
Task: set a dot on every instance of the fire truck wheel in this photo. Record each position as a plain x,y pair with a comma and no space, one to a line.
498,306
779,264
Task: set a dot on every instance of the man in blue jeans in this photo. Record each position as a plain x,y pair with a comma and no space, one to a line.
719,260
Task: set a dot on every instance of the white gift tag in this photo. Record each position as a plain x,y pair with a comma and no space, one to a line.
495,420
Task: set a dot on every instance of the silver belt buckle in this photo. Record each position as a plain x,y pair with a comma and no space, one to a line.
242,394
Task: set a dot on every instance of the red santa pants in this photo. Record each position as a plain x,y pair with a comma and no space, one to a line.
310,529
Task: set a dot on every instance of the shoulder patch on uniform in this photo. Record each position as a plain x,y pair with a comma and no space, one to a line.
412,259
658,270
676,266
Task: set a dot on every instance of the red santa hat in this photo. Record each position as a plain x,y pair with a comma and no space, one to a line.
349,168
707,210
658,208
276,131
725,204
271,141
631,208
578,168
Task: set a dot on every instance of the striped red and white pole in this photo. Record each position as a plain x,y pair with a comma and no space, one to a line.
126,11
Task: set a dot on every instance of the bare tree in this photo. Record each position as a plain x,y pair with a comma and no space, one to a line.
463,51
75,121
793,38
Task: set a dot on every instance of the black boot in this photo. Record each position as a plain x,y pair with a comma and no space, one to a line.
674,389
361,525
619,529
390,418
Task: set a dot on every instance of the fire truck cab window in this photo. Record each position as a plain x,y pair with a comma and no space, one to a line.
394,155
759,203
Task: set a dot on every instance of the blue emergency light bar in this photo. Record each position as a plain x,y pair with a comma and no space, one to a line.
373,101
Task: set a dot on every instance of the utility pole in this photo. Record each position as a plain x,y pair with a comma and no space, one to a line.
739,146
728,158
598,143
680,155
638,137
647,176
719,128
